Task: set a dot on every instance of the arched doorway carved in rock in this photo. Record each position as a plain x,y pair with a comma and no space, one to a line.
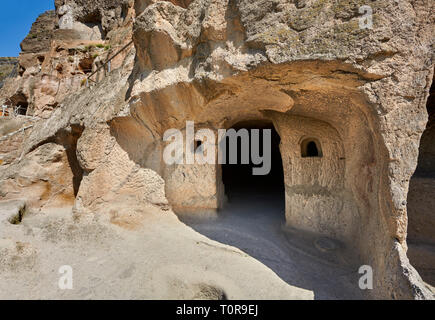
247,188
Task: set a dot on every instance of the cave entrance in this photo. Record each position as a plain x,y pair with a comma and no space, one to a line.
20,104
22,109
421,202
242,187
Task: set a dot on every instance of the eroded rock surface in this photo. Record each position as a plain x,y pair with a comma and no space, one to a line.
307,67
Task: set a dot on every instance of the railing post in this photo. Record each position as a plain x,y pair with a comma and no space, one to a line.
111,58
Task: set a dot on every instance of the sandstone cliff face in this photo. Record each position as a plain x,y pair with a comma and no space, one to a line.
102,15
220,54
40,35
19,90
56,58
306,66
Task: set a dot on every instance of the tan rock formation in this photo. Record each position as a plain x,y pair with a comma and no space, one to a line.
307,67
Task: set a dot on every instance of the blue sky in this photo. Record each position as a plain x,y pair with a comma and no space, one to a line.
16,18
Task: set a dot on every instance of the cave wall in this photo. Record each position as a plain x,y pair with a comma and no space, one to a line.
194,189
421,201
421,197
219,62
315,191
48,177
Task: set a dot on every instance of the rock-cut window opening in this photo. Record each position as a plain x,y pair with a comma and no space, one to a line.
311,148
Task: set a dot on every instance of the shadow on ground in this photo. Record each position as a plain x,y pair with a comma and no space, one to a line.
254,222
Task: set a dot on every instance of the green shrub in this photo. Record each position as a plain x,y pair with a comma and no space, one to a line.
88,48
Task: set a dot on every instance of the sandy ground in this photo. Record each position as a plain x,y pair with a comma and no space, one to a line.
254,223
244,254
162,259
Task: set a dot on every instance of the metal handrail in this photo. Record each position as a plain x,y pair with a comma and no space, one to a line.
108,61
9,135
